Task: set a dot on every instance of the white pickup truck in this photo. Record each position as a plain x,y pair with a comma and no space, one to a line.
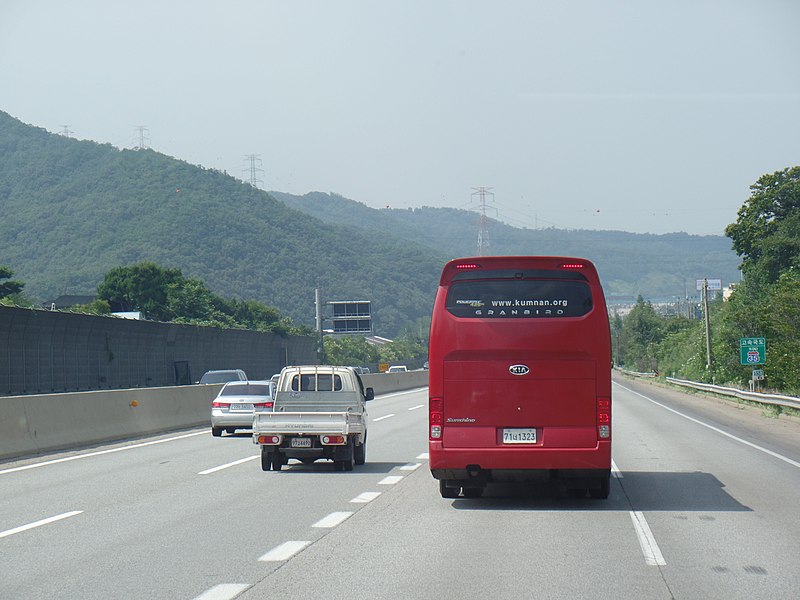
319,412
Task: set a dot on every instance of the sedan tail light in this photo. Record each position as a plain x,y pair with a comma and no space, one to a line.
262,404
220,404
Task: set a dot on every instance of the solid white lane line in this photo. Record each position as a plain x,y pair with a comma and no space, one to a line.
111,451
233,464
390,480
382,418
423,456
417,406
223,591
410,467
615,470
332,520
720,431
47,521
652,554
365,497
284,552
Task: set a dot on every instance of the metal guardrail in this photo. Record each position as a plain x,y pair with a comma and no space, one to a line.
777,399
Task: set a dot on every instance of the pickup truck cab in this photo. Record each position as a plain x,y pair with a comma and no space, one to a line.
319,412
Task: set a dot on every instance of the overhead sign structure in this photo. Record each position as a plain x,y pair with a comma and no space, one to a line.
753,351
714,285
352,316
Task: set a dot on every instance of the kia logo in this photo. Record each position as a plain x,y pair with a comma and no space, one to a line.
519,369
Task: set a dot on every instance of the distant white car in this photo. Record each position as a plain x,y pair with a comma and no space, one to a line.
237,402
397,369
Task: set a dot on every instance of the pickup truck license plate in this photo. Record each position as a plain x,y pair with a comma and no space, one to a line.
244,407
301,442
519,436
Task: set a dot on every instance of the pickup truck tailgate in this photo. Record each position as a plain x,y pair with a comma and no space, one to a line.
307,422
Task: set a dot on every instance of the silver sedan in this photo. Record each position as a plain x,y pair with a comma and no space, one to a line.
237,402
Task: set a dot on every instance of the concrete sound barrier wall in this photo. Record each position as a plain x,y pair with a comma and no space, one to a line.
49,422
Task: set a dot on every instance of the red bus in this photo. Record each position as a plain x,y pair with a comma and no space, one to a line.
520,375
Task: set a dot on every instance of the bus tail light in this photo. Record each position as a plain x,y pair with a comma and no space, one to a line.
436,417
603,418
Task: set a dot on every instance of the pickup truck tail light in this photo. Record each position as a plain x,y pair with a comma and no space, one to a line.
436,417
269,440
603,418
333,440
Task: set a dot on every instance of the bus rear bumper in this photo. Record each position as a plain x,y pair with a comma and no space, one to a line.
485,465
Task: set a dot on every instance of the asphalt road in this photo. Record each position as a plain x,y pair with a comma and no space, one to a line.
704,504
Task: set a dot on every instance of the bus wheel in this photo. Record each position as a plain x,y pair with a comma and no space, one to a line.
601,493
472,492
446,491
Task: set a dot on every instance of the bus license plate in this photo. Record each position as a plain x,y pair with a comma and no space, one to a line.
519,436
302,442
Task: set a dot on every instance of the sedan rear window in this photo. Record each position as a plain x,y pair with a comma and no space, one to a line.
245,389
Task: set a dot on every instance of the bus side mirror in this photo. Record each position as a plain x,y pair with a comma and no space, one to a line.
370,394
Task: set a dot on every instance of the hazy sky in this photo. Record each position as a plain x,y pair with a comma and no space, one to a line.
645,116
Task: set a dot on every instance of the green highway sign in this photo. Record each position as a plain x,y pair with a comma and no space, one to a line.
753,351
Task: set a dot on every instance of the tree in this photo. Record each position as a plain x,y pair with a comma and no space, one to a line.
767,231
143,286
9,288
349,350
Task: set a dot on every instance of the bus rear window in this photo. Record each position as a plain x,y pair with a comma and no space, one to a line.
519,298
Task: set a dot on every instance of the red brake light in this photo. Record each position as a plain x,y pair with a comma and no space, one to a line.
603,418
220,404
467,266
262,405
572,266
436,417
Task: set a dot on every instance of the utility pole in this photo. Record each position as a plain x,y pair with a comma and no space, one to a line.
707,323
483,231
254,169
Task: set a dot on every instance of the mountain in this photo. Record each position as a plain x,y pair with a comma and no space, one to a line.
72,210
656,266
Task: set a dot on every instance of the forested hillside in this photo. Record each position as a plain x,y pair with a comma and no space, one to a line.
72,210
629,264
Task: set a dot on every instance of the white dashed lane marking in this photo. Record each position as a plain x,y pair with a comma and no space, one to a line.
47,521
223,591
284,552
365,497
332,520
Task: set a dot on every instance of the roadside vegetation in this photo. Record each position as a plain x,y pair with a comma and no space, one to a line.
766,236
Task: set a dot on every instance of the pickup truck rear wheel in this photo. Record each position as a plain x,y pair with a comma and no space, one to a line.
361,453
266,459
277,461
